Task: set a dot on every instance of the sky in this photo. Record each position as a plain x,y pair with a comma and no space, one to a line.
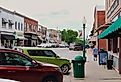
56,14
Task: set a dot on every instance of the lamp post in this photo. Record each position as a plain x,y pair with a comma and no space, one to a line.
84,24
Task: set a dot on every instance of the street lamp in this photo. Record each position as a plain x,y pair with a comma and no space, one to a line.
84,24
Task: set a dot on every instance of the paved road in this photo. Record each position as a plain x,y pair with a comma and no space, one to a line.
69,54
66,53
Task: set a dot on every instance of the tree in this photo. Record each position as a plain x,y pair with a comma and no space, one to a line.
69,36
79,41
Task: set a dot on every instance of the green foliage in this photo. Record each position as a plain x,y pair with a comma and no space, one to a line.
69,36
79,41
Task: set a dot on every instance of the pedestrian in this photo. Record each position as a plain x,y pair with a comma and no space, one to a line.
95,53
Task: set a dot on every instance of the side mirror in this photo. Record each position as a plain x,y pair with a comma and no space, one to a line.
34,63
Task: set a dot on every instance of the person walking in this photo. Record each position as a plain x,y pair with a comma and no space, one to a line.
95,53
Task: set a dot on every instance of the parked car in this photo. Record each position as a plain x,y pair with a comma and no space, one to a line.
48,56
48,45
78,47
18,66
71,47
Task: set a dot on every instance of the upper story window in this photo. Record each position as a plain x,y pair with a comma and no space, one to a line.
10,24
19,26
25,26
4,22
30,27
34,30
16,25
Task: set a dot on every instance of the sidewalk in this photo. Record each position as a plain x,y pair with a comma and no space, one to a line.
95,72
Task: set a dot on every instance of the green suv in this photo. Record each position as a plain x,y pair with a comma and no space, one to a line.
47,56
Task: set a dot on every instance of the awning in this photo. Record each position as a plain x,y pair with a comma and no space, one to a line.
7,37
104,26
4,20
111,29
11,22
21,38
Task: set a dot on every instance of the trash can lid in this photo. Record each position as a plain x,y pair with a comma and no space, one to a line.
78,58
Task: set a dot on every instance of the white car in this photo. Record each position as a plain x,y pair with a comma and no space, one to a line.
47,45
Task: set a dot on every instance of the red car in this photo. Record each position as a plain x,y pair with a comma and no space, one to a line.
15,65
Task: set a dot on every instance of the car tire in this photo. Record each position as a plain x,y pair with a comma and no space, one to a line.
50,79
65,69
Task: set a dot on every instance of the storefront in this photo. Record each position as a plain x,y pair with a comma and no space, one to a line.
7,39
31,39
19,39
112,34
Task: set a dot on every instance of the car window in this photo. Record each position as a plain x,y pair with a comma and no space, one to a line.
9,58
35,52
49,53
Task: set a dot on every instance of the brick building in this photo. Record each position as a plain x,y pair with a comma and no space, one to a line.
30,31
99,20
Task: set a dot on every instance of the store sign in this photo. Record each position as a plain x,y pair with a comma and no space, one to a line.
112,8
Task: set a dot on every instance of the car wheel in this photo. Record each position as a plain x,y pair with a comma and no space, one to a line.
64,69
50,79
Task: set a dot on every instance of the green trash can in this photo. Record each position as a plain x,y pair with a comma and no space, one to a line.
78,67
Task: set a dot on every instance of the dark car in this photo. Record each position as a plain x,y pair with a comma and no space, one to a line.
78,47
17,66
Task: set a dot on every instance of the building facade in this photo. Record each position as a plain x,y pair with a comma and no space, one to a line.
51,36
42,31
99,20
112,33
19,29
30,31
6,28
113,12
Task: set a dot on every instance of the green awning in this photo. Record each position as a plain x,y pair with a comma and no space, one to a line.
112,28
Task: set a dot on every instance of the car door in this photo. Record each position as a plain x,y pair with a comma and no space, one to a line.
50,57
17,67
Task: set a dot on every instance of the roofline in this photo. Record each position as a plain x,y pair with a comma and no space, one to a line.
14,12
4,9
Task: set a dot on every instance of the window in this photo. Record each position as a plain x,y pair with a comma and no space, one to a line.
7,58
35,52
16,25
10,24
25,26
48,53
4,22
21,27
30,27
